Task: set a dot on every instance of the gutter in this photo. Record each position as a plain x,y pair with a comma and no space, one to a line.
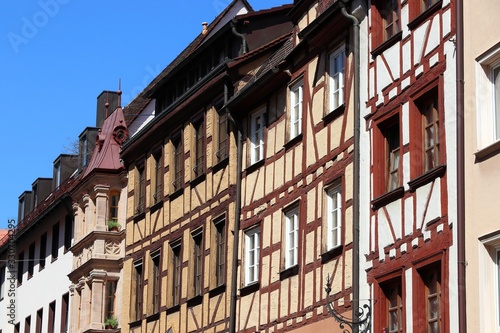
356,166
462,314
237,219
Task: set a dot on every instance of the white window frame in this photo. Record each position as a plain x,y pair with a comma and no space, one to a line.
257,125
291,233
252,249
296,103
489,283
334,216
336,78
487,99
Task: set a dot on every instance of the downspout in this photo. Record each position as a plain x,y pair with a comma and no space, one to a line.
356,167
462,315
237,34
237,213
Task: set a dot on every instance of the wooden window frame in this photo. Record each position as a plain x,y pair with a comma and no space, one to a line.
52,317
333,194
199,145
257,135
336,78
384,289
252,250
39,320
177,162
110,298
296,109
291,231
157,181
222,131
421,319
220,236
156,281
140,188
27,324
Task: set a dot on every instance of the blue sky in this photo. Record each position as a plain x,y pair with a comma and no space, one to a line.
57,56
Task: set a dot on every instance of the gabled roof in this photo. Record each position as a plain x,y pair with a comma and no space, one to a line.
106,156
142,100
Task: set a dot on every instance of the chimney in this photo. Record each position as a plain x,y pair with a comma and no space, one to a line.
205,29
110,97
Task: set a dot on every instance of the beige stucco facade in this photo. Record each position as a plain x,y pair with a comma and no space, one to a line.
482,174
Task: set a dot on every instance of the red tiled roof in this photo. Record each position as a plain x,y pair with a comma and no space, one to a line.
4,236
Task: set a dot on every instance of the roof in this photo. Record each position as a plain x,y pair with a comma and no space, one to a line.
4,236
106,156
137,105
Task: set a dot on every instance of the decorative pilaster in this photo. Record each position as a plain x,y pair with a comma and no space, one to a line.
97,279
87,213
101,200
77,217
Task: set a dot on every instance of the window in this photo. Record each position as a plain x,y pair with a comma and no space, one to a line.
426,4
31,260
140,189
58,174
199,147
158,177
252,254
197,262
17,328
428,107
390,18
27,325
296,110
334,216
64,313
43,251
156,279
52,317
110,299
220,244
291,237
55,241
336,78
392,307
20,262
2,281
430,301
113,206
137,291
178,163
387,162
222,132
68,232
176,273
39,318
257,124
488,98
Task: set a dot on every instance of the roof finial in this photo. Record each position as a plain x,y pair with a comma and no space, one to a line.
106,105
119,92
205,28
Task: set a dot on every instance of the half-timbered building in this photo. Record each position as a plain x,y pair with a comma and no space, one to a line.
295,111
182,178
409,239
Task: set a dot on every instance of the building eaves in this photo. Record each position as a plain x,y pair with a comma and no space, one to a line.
268,11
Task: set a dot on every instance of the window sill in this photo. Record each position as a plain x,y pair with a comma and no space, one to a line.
217,290
294,141
176,193
254,166
173,308
487,152
425,15
387,44
331,116
331,254
427,177
221,164
136,323
198,179
250,288
388,197
156,206
195,300
289,272
139,216
153,317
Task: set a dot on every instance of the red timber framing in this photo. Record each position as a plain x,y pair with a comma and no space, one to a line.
298,196
409,235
